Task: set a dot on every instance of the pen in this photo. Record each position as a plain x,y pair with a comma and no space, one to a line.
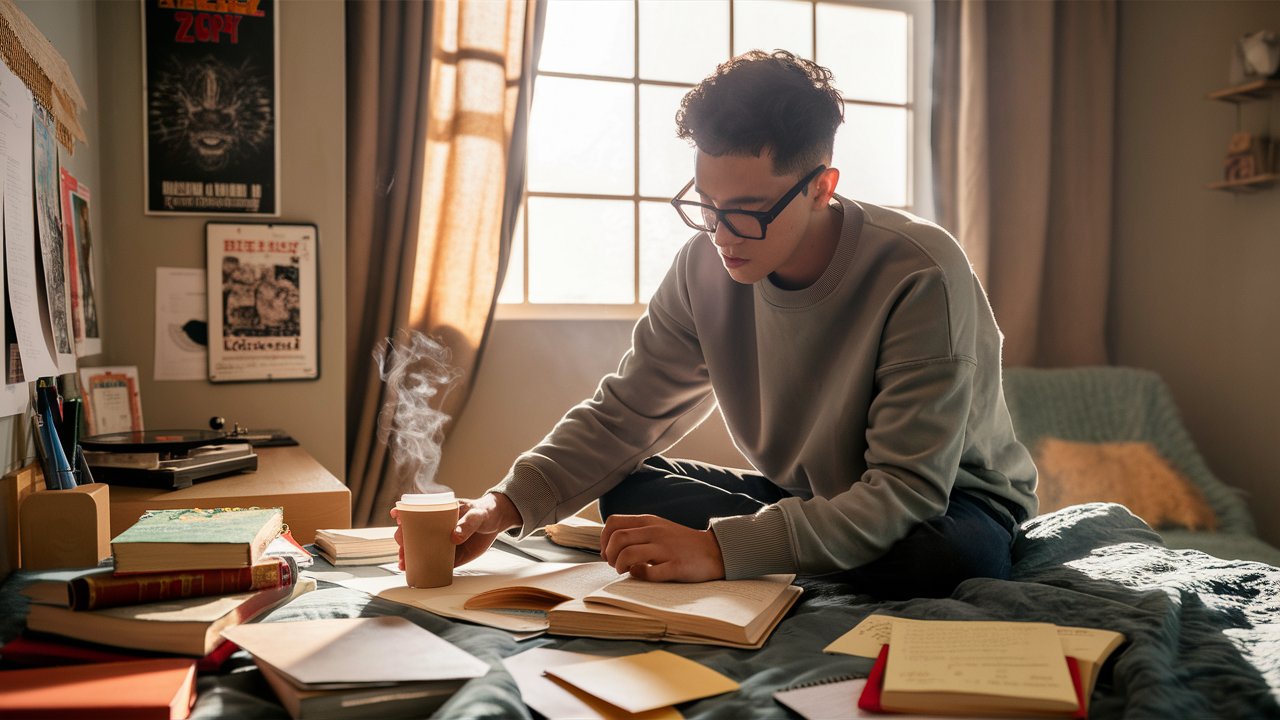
62,478
38,435
69,432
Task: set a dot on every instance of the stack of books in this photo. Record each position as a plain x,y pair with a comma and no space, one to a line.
358,546
180,578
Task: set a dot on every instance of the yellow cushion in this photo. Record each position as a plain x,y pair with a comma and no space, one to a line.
1133,474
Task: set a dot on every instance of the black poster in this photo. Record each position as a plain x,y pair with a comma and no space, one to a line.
210,87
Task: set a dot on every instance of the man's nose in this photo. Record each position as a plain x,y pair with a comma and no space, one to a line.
724,237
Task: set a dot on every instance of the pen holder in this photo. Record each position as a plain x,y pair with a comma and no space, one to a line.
65,528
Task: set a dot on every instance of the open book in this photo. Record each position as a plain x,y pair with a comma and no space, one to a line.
591,599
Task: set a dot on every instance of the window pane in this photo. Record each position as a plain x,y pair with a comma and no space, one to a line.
662,233
773,24
666,161
682,41
513,283
871,154
581,137
866,49
591,38
581,251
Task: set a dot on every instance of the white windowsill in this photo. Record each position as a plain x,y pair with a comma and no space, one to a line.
568,312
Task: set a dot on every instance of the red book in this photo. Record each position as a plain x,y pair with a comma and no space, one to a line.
162,689
870,698
39,650
103,590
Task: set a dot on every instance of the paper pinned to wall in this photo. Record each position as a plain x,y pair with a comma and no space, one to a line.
182,327
35,342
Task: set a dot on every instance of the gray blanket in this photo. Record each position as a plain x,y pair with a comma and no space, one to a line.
1203,633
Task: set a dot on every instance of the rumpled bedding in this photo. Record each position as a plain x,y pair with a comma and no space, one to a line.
1203,634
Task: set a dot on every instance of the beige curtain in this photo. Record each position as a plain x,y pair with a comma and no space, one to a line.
437,100
1023,118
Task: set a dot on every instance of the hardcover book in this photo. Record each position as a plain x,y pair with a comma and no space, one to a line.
191,626
196,539
161,689
99,590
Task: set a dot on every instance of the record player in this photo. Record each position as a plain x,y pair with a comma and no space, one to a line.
166,459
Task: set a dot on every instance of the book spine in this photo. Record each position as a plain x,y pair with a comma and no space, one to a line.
95,592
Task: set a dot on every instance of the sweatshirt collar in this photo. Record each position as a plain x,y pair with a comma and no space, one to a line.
850,230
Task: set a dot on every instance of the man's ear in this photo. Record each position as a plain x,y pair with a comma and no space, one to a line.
825,187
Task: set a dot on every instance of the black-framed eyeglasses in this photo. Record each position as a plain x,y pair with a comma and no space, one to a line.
747,224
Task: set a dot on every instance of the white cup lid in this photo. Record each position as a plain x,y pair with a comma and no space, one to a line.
436,498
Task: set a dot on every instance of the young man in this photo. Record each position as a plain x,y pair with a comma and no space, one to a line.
850,349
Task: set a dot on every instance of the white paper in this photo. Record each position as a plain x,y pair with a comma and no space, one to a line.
342,651
34,341
182,313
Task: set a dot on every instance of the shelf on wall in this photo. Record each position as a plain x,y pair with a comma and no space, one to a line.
1255,90
1252,184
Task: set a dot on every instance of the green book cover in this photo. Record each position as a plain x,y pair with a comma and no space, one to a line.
198,525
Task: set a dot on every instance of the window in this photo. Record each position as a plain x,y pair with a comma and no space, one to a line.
596,233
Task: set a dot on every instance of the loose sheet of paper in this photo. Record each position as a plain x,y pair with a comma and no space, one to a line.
344,651
647,681
839,701
35,340
556,700
182,312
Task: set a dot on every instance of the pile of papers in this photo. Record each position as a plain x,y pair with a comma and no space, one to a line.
373,667
358,546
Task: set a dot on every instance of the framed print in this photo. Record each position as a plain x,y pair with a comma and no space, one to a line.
264,323
210,95
112,402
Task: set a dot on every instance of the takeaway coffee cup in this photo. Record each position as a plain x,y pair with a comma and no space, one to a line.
427,521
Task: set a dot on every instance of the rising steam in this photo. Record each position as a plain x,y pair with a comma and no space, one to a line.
416,370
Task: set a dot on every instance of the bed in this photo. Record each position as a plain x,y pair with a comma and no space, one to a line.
1203,631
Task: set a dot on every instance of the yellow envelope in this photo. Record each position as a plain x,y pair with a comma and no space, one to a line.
651,680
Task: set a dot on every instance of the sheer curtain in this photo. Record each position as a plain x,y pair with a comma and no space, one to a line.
437,104
1023,125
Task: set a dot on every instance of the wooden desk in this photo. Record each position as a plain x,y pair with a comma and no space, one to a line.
287,477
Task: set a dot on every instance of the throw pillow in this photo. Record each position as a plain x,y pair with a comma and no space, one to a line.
1133,474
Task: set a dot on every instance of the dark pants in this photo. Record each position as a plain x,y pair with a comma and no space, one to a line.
972,539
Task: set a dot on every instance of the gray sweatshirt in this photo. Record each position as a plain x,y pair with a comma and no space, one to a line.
868,396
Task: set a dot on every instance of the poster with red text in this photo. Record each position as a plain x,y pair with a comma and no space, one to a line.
264,323
211,83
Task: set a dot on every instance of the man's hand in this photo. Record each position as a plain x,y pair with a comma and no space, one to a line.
654,549
479,522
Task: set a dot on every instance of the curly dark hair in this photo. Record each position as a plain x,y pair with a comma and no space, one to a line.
762,100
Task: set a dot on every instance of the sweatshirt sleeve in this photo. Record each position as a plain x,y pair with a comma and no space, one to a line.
659,393
916,426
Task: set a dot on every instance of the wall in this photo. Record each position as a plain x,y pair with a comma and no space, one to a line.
532,372
312,130
1195,290
71,27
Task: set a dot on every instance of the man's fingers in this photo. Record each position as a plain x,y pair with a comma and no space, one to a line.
395,514
468,523
614,523
620,540
639,554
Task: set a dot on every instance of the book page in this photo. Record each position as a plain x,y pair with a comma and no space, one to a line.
1003,659
733,602
555,700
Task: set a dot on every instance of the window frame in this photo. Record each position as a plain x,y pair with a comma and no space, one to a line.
918,172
